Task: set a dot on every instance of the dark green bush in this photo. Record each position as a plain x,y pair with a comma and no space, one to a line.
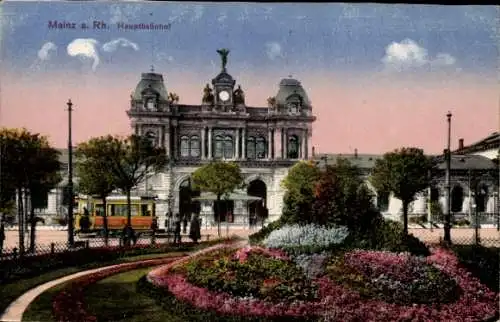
250,278
187,312
259,236
388,235
482,262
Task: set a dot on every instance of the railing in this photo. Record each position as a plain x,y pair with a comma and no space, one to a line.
459,219
92,242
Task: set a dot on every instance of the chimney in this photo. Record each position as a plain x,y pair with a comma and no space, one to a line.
460,144
356,153
313,152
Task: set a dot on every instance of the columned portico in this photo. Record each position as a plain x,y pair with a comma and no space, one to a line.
269,151
237,155
203,144
244,144
210,143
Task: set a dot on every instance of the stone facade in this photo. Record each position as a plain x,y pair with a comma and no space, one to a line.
264,141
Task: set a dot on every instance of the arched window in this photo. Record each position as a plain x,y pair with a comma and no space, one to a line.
481,198
184,146
195,146
150,104
260,148
228,147
457,199
151,136
251,148
293,147
383,201
219,146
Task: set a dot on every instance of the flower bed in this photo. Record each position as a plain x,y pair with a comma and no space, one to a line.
395,278
193,283
68,305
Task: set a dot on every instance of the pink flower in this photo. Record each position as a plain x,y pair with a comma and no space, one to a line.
338,303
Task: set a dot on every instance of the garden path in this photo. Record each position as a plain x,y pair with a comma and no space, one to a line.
15,310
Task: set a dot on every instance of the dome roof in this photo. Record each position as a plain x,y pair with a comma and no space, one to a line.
152,81
289,87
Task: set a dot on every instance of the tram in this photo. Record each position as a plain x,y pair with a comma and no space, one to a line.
142,209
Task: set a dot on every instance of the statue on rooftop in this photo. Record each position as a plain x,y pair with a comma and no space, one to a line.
239,96
208,97
223,56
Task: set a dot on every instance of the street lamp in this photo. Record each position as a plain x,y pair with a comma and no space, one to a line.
70,177
447,218
495,207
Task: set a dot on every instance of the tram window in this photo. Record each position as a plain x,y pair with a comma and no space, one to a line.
98,209
144,210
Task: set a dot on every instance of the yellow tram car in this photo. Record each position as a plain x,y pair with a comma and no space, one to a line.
142,209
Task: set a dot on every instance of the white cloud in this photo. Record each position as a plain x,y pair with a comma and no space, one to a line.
84,48
45,52
407,54
114,44
274,50
443,59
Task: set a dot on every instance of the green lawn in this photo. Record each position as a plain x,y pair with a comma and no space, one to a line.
11,291
106,299
41,308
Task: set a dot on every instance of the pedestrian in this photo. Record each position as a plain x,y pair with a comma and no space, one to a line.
194,229
2,233
177,231
154,227
184,223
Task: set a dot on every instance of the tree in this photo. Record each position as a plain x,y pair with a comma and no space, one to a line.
33,167
129,160
342,198
403,172
219,178
95,178
299,185
44,174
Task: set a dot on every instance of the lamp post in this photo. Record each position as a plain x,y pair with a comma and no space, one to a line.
495,207
447,218
70,178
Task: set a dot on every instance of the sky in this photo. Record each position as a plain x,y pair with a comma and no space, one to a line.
380,77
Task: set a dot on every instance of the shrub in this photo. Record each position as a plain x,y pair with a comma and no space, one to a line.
62,221
482,262
259,236
388,235
419,219
247,273
309,237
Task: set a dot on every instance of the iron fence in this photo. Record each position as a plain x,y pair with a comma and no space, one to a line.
92,242
487,237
